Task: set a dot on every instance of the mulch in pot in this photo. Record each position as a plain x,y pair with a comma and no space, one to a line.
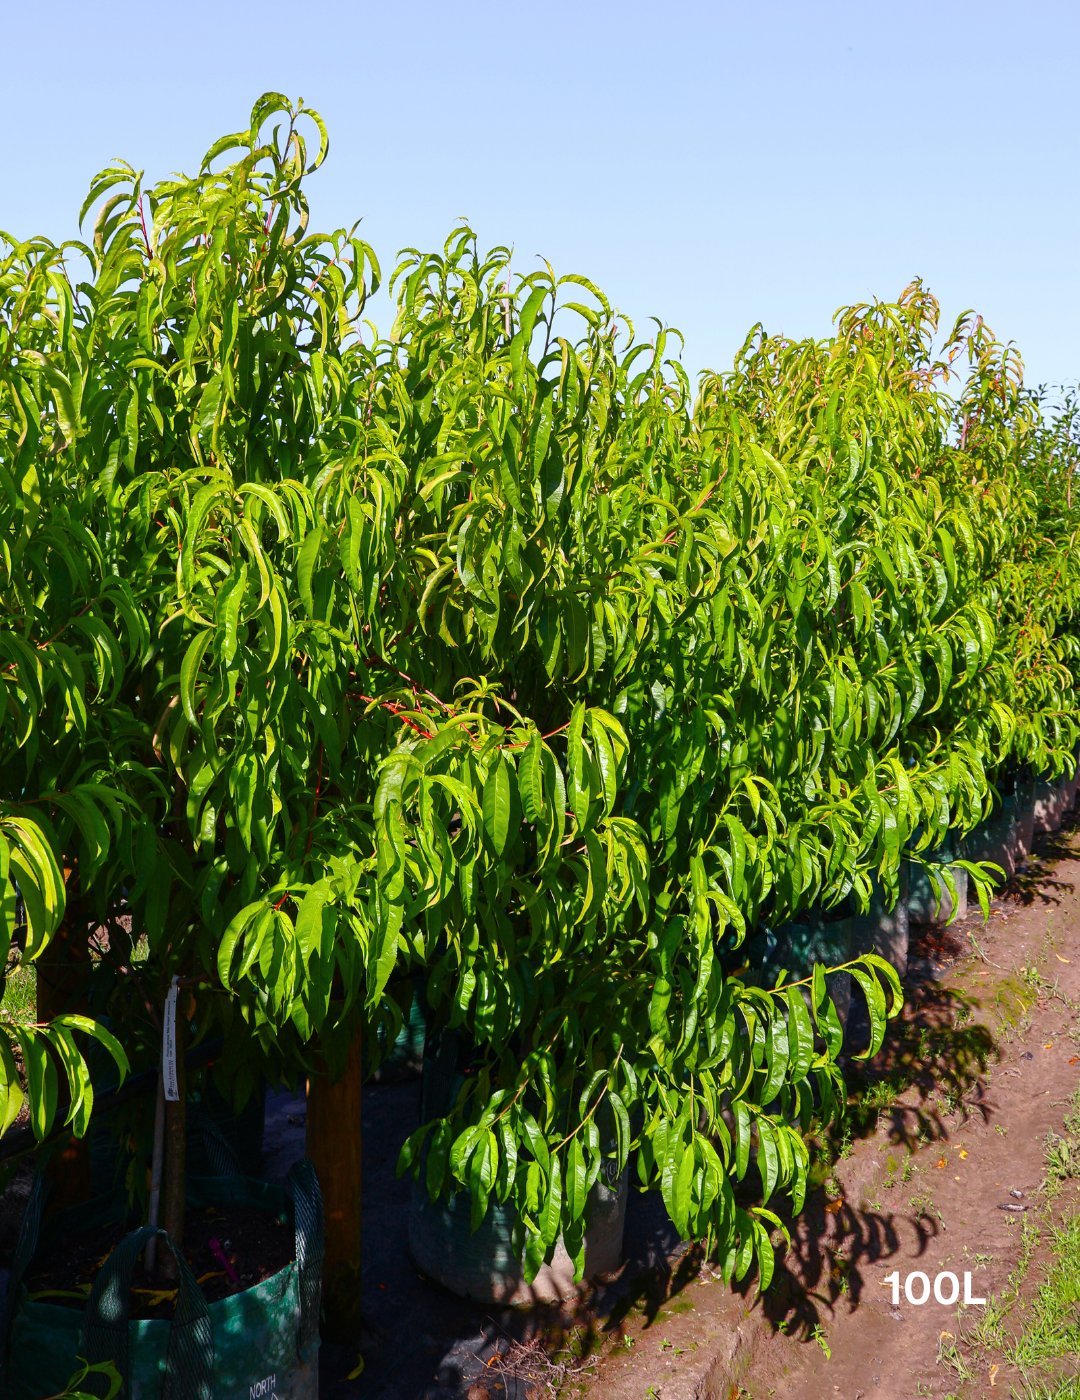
255,1245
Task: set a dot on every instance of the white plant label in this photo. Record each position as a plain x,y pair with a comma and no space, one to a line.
168,1047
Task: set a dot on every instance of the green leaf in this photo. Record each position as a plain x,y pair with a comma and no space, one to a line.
227,611
207,411
40,1080
605,759
64,396
438,1159
742,1138
875,1001
305,565
12,1097
551,1215
577,789
88,1026
530,780
309,918
776,1057
243,782
189,670
622,1129
497,804
236,929
765,1256
576,1180
767,1156
800,1034
483,1167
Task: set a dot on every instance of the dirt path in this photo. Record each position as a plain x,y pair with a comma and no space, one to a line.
946,1216
954,1118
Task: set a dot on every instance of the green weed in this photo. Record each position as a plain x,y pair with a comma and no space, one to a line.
1037,1336
19,1002
923,1206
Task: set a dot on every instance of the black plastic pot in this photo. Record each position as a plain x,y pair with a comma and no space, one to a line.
483,1266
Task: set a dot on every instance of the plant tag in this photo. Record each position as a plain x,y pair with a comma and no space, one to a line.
168,1047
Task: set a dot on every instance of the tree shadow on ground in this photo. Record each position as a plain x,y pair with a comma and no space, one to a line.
657,1286
928,1068
819,1273
1038,881
927,1072
926,1083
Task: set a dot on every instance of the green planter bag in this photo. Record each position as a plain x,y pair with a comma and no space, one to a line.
405,1058
220,1142
1006,839
884,928
262,1342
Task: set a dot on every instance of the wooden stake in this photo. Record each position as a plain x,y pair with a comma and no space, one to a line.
156,1171
175,1157
333,1145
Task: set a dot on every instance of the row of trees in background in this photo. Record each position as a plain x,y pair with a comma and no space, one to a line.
488,649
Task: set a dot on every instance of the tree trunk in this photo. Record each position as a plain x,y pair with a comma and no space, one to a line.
175,1152
333,1145
62,971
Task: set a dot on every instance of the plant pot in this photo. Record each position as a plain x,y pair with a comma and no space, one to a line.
928,899
1072,785
817,939
405,1059
483,1266
219,1141
1025,813
884,929
1006,839
1051,803
1054,799
262,1341
243,1131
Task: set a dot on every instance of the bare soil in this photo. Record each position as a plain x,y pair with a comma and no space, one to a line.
948,1120
924,1190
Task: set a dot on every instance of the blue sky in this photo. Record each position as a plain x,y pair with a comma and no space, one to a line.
710,165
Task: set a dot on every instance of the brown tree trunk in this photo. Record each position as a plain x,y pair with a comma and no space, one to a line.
62,971
175,1154
333,1145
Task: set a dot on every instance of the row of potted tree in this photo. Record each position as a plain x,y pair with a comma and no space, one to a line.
486,649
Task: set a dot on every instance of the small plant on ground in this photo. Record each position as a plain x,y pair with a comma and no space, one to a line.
923,1207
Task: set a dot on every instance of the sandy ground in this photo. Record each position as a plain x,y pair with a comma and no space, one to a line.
947,1215
986,1058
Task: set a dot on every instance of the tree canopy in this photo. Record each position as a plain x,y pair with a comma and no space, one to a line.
485,648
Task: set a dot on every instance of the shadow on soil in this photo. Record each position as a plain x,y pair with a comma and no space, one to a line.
924,1085
1038,882
932,1059
933,1050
